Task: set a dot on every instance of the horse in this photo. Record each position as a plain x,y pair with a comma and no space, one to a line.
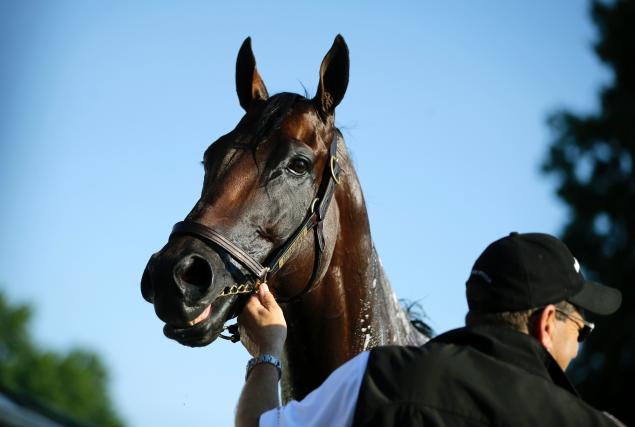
281,203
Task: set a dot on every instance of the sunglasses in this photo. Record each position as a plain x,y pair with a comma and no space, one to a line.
583,331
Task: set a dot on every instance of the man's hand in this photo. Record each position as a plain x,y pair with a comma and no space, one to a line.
262,330
262,325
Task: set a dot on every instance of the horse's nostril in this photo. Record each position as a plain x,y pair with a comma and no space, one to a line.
193,271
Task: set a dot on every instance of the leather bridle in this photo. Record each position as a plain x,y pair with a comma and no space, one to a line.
260,273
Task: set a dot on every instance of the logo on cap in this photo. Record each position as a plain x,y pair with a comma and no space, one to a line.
483,275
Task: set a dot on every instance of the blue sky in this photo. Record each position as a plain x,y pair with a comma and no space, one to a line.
107,108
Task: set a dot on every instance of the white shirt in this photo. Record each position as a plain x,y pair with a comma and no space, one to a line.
332,404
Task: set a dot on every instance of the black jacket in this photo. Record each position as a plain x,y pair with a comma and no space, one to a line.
475,377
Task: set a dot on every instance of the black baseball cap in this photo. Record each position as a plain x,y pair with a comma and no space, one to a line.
532,270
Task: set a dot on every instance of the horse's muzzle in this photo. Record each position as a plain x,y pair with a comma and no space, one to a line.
184,281
147,289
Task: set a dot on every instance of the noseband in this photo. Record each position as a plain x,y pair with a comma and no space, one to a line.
260,273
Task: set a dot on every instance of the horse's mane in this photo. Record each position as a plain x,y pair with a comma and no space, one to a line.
417,315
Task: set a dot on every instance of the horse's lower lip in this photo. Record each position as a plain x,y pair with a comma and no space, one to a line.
198,335
206,328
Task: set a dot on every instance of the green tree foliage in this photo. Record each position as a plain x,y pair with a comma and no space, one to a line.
593,158
73,383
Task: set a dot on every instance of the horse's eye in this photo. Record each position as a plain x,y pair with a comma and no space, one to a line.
298,166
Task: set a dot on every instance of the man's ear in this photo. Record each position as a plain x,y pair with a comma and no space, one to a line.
544,326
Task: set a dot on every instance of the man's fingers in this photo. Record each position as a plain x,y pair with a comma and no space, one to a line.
266,297
249,314
253,304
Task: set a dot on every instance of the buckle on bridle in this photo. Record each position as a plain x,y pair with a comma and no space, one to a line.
313,204
334,160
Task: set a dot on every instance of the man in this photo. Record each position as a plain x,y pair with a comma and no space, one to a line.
526,299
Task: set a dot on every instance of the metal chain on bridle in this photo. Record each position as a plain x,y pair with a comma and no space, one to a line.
313,220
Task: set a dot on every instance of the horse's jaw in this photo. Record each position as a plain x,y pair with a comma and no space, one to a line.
206,327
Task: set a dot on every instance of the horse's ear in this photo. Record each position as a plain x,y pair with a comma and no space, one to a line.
249,85
333,77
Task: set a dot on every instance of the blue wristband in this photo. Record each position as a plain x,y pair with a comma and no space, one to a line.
264,358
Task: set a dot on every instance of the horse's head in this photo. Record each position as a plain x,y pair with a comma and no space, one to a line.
261,182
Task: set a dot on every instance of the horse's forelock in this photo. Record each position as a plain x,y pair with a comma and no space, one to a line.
276,110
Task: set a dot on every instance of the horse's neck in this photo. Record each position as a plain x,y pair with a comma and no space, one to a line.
353,307
389,322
